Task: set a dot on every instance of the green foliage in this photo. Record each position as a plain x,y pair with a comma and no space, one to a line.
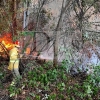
13,90
52,75
26,33
66,63
88,2
37,97
1,75
32,94
61,86
28,98
57,84
89,87
94,3
1,78
52,97
91,84
44,76
23,33
40,75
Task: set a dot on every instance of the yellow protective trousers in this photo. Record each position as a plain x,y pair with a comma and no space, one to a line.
13,64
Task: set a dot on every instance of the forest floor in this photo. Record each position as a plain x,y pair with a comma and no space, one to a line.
41,81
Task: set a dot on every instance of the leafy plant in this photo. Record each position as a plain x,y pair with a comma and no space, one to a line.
37,97
61,86
52,97
91,84
32,94
47,79
52,75
61,96
1,75
28,98
13,90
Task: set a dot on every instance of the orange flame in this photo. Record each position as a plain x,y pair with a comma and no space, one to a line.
6,40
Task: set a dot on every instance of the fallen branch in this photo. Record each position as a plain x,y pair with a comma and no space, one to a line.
5,50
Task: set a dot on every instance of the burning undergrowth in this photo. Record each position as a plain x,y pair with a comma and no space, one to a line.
6,44
6,40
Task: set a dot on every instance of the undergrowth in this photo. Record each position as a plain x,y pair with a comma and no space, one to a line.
48,83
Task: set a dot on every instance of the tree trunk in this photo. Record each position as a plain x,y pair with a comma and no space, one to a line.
56,40
13,9
14,23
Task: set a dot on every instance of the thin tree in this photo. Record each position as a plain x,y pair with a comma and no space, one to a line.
56,41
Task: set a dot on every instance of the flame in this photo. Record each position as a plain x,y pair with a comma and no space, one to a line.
6,40
7,44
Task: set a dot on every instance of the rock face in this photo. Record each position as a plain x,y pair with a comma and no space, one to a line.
86,59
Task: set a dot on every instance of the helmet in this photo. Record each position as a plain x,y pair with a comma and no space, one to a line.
17,44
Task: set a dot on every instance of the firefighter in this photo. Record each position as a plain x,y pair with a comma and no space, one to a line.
14,61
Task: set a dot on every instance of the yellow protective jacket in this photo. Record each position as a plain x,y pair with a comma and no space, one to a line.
14,60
